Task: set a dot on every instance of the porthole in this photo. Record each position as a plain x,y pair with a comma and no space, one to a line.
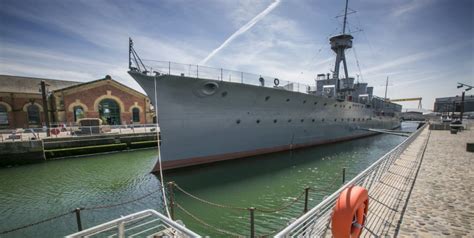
258,121
289,120
275,121
354,119
342,119
207,88
302,120
287,99
313,120
224,94
322,119
335,105
325,104
335,119
238,121
350,107
304,101
315,103
267,97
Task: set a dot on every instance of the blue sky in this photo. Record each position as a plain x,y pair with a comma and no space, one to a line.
424,46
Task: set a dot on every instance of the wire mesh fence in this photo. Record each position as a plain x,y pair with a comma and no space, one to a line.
316,223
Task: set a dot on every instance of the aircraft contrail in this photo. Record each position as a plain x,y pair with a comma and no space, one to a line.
242,30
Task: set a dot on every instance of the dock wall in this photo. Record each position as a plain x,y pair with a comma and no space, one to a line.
24,152
21,152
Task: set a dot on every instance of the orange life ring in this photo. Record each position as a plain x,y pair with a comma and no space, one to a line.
349,215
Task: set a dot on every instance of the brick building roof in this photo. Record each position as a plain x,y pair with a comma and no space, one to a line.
20,84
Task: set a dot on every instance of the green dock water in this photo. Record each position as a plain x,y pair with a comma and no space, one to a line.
34,192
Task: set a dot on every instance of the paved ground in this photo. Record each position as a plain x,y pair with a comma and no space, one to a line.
442,200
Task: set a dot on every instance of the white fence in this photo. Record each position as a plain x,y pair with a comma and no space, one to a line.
25,134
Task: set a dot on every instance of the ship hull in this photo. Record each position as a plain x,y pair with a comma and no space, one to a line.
204,121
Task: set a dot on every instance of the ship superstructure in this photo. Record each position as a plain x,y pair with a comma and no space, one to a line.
209,114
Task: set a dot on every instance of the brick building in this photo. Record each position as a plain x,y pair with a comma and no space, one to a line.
21,104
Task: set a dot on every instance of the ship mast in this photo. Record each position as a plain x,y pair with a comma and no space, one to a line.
339,44
345,18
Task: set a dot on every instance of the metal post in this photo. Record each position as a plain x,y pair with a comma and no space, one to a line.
169,67
462,105
171,194
78,219
343,175
45,107
252,222
121,229
221,75
197,71
306,193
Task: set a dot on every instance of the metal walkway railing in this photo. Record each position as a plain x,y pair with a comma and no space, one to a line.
316,222
147,223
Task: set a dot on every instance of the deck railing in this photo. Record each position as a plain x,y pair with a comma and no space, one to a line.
220,74
315,223
147,223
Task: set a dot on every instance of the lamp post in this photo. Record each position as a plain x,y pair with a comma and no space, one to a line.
45,106
468,87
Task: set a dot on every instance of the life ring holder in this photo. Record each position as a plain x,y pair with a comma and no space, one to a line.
350,212
276,82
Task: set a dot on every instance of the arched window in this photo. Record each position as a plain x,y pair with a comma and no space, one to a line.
78,113
136,114
3,115
109,112
33,114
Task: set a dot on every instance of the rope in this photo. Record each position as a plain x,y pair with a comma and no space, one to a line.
36,223
282,207
119,204
159,160
206,224
208,202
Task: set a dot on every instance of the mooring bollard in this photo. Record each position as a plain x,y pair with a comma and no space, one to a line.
171,194
306,193
78,219
343,175
252,222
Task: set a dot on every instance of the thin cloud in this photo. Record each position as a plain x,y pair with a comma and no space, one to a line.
242,30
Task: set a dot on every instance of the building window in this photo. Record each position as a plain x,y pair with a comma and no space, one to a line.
33,114
109,112
78,113
3,115
136,115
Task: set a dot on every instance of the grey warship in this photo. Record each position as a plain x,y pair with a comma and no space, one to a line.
209,114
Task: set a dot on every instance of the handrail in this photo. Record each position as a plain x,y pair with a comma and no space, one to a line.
119,223
383,163
157,67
